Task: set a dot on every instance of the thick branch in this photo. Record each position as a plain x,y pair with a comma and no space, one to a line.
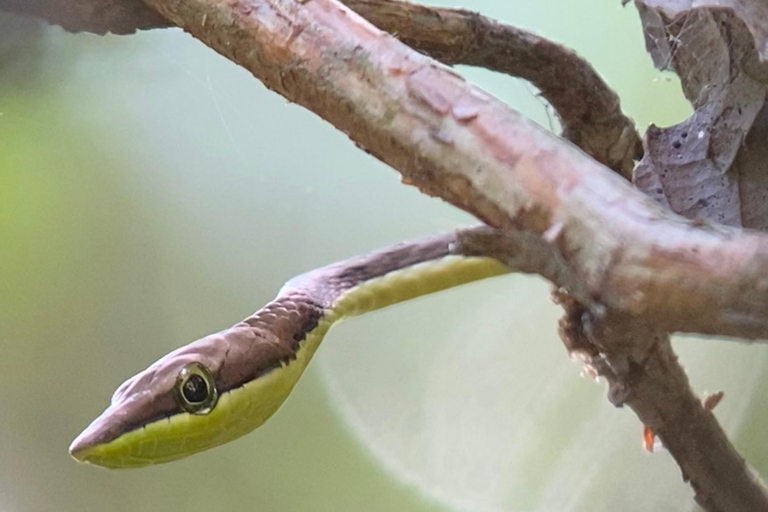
588,109
643,372
453,140
672,257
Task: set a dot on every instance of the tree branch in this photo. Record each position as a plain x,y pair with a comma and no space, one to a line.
588,109
453,140
643,372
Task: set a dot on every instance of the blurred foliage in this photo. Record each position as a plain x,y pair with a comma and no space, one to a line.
21,48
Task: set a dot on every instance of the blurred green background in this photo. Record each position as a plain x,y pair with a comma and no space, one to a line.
152,192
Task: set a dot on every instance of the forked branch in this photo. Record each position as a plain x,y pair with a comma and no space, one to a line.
453,140
588,109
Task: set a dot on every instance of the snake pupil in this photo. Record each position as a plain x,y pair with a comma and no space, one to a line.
195,389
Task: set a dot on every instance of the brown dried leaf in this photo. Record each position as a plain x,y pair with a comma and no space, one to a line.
753,13
712,165
98,16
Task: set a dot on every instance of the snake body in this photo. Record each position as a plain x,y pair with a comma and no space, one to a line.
223,386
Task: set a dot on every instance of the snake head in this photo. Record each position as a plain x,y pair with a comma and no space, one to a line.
197,397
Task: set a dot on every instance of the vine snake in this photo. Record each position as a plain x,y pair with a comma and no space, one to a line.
225,385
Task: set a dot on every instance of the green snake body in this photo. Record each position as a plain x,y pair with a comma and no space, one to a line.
223,386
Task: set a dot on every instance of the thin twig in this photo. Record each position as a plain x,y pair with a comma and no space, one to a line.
588,109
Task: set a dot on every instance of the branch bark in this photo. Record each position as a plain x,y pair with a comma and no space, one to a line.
452,140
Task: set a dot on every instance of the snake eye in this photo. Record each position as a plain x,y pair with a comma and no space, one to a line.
195,389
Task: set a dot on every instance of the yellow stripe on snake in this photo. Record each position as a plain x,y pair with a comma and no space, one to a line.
225,385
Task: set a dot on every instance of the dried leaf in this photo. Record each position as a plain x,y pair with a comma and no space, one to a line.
753,13
98,16
649,439
711,401
712,165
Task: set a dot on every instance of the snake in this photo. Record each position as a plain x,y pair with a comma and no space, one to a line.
225,385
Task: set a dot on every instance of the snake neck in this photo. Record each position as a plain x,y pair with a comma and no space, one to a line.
413,281
310,304
289,330
389,276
